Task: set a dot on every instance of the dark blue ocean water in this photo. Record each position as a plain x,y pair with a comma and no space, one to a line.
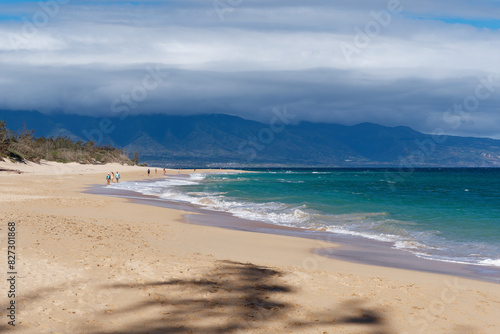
444,214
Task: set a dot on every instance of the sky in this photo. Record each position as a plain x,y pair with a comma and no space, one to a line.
431,65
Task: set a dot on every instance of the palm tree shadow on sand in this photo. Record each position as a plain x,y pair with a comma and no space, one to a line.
232,298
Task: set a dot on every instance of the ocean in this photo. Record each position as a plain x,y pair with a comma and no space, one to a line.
450,215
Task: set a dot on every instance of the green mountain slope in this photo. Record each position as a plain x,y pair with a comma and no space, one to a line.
228,140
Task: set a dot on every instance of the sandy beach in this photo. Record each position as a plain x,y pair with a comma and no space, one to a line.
95,264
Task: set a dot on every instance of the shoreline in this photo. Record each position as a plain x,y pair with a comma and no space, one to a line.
342,247
102,264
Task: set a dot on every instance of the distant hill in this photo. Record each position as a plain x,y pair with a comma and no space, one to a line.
217,139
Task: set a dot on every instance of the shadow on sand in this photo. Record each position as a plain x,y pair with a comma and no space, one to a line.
232,298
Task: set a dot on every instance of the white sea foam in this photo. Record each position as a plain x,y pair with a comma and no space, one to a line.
459,259
490,262
412,244
197,177
201,193
289,181
375,225
373,236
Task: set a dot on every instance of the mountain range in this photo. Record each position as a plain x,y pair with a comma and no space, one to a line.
230,141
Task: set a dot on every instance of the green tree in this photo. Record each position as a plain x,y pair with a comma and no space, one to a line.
26,136
135,158
5,138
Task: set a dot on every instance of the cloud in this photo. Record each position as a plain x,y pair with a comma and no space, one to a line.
408,70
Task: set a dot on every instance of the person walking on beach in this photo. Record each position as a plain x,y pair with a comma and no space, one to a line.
156,171
117,177
108,178
112,177
149,171
164,171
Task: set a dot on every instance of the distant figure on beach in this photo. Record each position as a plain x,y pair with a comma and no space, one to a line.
149,171
117,177
112,177
179,171
194,170
156,171
108,178
164,171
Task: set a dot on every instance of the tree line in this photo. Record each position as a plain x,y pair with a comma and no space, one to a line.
24,146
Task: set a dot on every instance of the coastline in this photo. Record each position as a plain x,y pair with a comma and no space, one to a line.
144,260
342,247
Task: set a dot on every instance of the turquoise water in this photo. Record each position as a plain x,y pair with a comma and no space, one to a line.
444,214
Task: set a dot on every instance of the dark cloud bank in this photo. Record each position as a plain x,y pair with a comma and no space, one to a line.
406,64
